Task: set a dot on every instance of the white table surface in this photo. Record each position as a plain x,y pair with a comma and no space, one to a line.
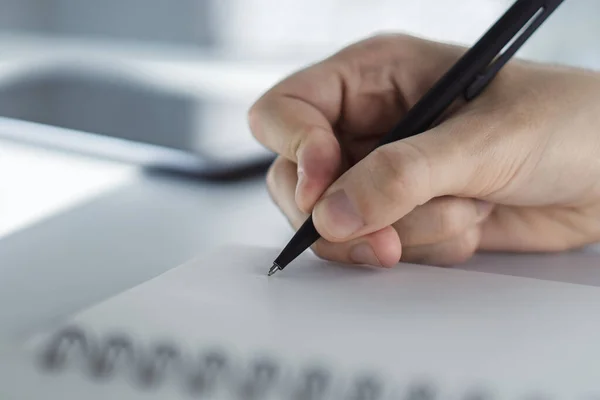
78,241
36,183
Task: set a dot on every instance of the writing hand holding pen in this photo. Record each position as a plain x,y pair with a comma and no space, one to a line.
516,169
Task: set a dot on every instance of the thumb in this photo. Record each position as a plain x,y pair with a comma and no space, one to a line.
391,181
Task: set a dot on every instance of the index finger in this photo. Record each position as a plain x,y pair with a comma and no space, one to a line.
361,91
295,120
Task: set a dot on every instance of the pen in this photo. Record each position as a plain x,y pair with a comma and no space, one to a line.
468,77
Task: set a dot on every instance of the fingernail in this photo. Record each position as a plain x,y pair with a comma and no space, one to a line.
301,177
340,217
483,209
362,253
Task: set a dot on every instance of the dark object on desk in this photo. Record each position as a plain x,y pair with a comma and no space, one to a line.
468,77
110,112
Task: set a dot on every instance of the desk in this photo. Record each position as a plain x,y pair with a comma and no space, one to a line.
103,245
150,223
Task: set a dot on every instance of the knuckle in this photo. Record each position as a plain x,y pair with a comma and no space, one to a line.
450,218
254,116
302,135
395,172
466,246
386,174
454,252
386,38
377,44
308,135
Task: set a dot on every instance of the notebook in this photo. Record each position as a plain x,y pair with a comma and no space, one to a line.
219,328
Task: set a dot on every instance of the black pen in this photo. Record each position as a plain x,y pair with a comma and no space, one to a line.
467,78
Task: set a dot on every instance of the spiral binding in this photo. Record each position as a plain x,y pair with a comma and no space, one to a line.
204,375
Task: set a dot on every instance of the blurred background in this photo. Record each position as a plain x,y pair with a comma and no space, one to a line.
129,83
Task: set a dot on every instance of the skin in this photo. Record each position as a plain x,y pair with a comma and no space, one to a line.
516,170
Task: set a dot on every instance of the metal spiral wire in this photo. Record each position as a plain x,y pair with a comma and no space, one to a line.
202,376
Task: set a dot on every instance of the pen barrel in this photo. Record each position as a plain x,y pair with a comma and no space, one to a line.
466,70
302,240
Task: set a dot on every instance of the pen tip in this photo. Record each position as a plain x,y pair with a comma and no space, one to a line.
273,269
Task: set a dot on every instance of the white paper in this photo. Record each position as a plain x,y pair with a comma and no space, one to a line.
460,330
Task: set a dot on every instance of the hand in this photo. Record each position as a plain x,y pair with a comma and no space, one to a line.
516,169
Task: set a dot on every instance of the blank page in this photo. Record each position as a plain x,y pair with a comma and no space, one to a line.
452,330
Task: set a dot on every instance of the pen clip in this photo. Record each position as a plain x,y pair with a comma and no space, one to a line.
484,78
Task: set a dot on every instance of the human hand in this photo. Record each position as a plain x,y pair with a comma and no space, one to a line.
516,169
